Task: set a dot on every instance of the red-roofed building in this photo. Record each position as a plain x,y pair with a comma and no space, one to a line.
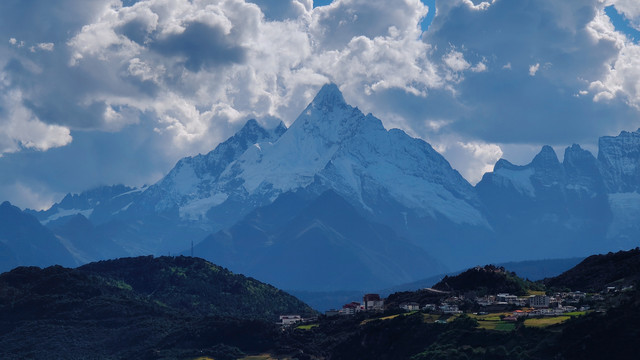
372,302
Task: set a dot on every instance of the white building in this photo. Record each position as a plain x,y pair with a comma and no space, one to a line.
410,306
429,307
450,309
372,302
290,319
539,301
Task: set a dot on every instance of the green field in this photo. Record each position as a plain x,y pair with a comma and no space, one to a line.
546,321
496,325
534,292
577,313
307,327
489,317
505,326
388,317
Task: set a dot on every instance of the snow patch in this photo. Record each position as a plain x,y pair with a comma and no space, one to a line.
185,180
625,208
520,179
123,209
134,191
67,212
197,209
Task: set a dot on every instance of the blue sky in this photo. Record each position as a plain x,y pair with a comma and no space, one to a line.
622,24
317,3
96,92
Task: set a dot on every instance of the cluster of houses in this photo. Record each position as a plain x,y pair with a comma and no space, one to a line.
534,301
539,305
445,308
373,302
558,300
370,302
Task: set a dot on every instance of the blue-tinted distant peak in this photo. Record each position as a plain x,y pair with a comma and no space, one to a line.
504,164
547,152
576,150
546,156
251,124
252,128
280,129
575,154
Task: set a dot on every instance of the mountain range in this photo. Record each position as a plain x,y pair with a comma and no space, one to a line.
338,202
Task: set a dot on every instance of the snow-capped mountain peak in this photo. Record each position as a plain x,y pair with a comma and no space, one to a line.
334,145
307,146
191,186
330,120
328,98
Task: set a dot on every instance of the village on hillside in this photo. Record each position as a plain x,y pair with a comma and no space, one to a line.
501,307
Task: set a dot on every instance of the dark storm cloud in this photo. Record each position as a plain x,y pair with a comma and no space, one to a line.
507,104
94,158
54,91
510,108
37,21
58,94
135,30
202,45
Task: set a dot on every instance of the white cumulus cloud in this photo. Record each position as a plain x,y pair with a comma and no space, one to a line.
622,72
533,69
183,75
256,66
22,129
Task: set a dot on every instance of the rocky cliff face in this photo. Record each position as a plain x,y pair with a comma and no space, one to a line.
619,161
590,203
619,158
559,206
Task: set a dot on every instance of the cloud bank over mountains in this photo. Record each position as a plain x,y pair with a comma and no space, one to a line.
108,85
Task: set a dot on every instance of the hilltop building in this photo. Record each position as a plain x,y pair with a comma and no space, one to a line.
410,306
290,319
372,302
